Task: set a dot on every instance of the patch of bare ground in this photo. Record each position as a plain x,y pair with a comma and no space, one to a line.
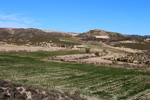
102,59
16,48
73,57
124,49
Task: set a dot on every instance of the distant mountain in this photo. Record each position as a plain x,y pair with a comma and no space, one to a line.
33,32
138,36
21,32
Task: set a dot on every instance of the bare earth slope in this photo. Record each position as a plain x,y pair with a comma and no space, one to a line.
60,33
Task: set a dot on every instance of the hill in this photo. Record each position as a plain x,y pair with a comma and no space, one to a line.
31,36
21,32
33,32
106,35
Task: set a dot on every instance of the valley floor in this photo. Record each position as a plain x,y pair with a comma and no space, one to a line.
93,82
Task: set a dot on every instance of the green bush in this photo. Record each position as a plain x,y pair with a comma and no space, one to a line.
87,50
114,62
104,50
97,53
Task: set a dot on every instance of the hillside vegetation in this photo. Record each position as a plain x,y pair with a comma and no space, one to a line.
36,41
96,32
139,46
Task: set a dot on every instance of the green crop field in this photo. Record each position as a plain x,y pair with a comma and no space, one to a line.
106,83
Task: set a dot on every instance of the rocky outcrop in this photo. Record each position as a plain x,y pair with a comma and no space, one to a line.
76,57
137,58
80,58
12,91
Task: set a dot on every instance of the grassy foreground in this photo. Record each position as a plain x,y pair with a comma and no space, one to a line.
105,82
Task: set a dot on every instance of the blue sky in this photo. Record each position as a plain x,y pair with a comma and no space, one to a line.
123,16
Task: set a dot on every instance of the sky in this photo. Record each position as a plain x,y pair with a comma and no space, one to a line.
122,16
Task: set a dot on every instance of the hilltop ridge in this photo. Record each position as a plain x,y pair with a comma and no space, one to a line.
97,34
60,33
32,32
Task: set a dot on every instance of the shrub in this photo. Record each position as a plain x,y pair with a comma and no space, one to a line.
104,50
114,62
97,53
87,50
63,45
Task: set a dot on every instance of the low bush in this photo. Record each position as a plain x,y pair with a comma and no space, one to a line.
87,50
97,53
